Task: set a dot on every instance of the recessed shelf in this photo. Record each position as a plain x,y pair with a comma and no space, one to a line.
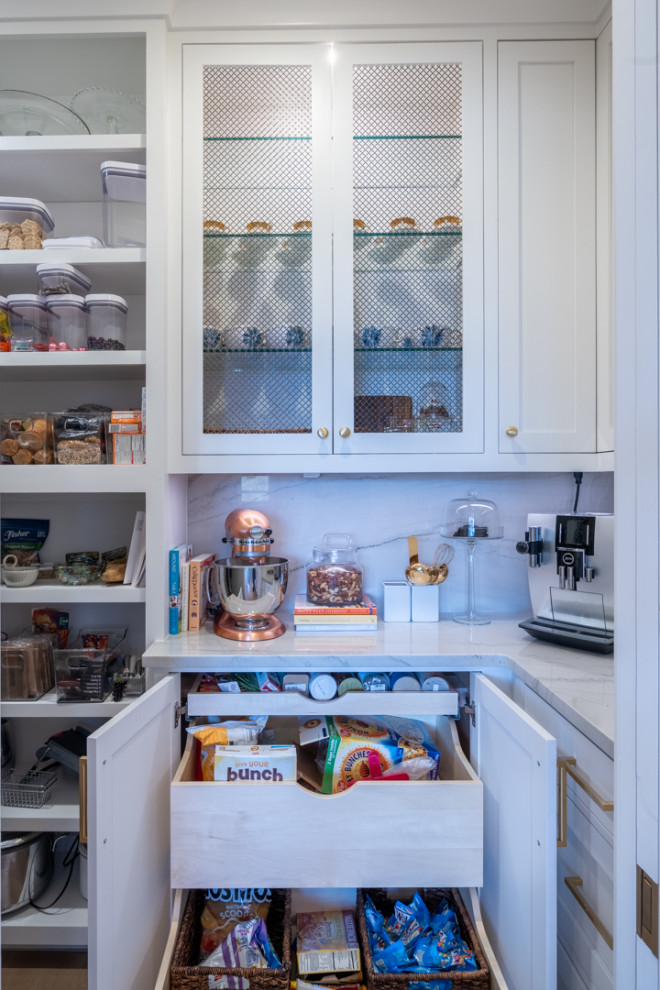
65,924
72,366
60,813
49,707
47,592
71,479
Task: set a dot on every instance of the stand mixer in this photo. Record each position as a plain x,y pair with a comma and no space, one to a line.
249,585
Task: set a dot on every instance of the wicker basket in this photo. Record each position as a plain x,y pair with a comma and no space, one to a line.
476,979
185,974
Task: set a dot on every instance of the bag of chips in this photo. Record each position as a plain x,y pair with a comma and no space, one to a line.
224,909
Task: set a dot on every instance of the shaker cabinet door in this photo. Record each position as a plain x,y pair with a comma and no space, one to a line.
547,247
516,761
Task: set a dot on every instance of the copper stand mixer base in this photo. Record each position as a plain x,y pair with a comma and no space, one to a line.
262,627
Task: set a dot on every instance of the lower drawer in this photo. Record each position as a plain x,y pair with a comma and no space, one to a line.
396,833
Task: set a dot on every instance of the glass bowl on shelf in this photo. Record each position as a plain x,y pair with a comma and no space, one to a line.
109,111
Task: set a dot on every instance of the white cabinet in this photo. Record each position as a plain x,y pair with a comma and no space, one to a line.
332,249
547,247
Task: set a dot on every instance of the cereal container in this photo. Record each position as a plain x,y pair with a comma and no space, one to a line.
106,322
334,576
124,199
67,322
28,318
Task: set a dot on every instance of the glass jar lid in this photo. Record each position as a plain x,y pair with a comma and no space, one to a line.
336,546
471,518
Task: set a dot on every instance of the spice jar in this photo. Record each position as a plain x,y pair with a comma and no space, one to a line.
334,576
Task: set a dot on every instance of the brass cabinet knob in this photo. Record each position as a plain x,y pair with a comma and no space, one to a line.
344,432
322,433
512,431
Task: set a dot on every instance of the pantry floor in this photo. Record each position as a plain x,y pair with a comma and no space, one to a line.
34,970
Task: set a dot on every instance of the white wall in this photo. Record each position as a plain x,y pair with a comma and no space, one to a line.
382,511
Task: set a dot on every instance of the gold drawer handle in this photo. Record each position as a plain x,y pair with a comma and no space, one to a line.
82,794
322,432
566,768
512,431
573,884
344,432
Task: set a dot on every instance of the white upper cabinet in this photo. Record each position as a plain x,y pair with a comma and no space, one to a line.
332,249
547,247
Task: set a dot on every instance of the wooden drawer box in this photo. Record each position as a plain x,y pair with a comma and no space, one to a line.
398,833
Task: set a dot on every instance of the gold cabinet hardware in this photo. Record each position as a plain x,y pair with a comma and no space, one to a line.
82,797
512,431
566,769
344,432
647,910
574,884
322,432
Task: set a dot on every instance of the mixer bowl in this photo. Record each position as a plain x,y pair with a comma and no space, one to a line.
246,588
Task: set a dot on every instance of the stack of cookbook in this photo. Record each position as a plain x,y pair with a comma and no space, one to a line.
308,617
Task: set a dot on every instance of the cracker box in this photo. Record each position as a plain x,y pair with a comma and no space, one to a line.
327,945
248,764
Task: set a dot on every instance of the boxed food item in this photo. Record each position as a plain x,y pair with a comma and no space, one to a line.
26,438
327,946
255,763
128,439
23,223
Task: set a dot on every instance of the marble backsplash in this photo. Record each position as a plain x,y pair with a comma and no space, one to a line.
382,511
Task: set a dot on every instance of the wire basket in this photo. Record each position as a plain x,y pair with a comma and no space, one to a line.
27,788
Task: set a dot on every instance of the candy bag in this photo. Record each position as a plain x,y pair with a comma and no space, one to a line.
226,907
246,945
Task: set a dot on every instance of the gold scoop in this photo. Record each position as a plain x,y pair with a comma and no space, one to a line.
417,573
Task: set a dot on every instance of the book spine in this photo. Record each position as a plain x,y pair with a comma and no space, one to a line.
310,627
335,620
185,594
173,626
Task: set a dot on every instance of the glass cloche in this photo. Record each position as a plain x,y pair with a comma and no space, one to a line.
471,519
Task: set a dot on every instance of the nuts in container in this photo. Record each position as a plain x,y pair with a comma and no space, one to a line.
334,576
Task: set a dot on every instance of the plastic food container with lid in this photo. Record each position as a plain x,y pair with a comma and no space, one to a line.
334,576
106,322
23,223
124,204
67,322
28,317
26,438
61,279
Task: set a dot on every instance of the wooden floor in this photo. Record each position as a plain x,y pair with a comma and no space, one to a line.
36,970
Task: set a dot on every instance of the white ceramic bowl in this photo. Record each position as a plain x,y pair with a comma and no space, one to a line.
19,577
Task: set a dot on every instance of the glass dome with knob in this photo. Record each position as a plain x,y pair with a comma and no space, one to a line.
471,520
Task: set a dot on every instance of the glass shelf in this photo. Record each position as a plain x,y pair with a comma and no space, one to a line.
405,350
408,233
261,350
264,138
407,137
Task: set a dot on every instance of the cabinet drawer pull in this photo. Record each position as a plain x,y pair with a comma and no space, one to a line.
322,432
512,431
82,796
344,432
566,768
573,884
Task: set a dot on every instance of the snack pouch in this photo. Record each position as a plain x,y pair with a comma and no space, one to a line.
347,741
237,732
225,907
246,946
23,539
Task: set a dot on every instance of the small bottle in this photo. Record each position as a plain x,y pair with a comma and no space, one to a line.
375,681
322,687
401,681
348,682
296,682
434,682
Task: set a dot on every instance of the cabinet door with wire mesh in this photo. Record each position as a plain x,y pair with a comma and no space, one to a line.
257,318
408,239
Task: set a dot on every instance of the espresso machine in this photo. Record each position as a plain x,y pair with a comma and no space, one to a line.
250,585
571,579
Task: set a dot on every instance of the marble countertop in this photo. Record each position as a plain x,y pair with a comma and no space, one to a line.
579,685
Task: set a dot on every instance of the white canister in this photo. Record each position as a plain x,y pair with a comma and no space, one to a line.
67,322
106,322
322,687
63,279
124,199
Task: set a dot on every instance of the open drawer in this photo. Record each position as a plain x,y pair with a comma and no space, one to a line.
392,833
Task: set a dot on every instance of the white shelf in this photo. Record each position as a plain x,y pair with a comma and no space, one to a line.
117,270
412,703
64,925
49,707
72,479
60,814
47,592
72,366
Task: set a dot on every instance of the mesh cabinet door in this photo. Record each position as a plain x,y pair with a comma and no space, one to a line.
258,229
408,236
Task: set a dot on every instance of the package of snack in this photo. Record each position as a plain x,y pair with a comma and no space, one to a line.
276,764
347,748
225,907
237,732
54,622
22,539
246,946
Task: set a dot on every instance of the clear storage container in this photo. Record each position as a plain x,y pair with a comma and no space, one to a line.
67,322
23,223
62,279
26,438
5,330
334,576
124,204
81,675
28,317
106,322
26,668
79,437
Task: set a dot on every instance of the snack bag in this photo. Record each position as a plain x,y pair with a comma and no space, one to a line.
246,946
227,907
237,732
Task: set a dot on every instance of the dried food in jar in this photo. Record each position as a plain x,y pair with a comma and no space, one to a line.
329,584
258,227
403,223
23,438
79,451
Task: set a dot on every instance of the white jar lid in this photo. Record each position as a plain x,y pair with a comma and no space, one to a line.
65,300
3,302
25,299
78,241
68,271
17,204
124,168
106,299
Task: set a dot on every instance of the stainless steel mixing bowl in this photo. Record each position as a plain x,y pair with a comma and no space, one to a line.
243,587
